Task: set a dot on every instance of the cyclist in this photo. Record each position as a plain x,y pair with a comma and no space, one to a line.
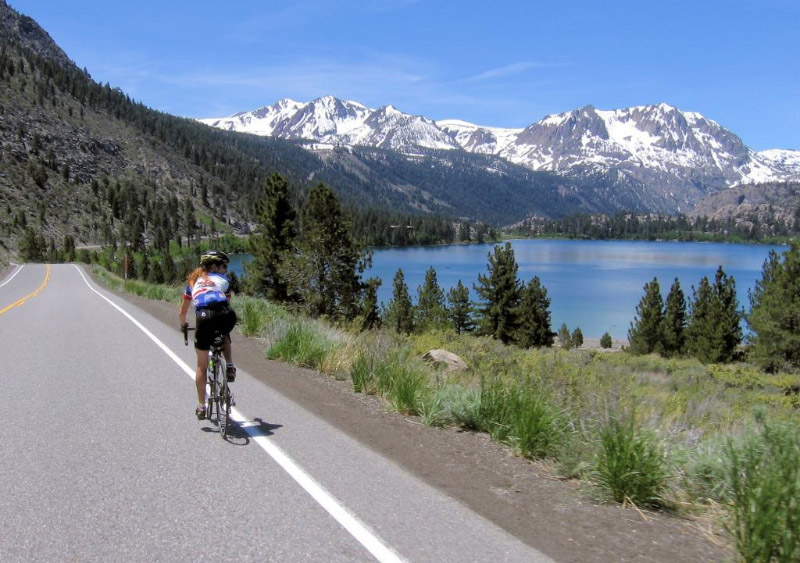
207,288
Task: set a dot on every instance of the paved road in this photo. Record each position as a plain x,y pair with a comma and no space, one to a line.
103,459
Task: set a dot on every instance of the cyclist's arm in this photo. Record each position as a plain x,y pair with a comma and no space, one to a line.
187,300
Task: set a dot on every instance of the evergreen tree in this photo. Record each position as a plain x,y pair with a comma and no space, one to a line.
534,313
372,317
169,270
30,248
714,331
500,293
459,310
430,303
774,316
234,285
189,221
644,336
144,267
577,337
272,243
324,272
400,312
156,274
564,337
605,341
674,323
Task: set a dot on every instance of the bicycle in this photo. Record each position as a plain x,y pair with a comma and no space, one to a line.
220,398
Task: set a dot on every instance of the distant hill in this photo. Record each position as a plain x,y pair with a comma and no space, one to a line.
753,206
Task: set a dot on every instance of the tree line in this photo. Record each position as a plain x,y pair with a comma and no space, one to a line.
708,327
751,227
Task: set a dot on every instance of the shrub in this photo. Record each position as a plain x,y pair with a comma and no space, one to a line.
764,477
431,408
519,415
362,374
301,345
461,406
407,385
630,464
251,320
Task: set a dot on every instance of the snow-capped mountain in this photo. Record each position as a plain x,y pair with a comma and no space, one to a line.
642,141
681,155
332,121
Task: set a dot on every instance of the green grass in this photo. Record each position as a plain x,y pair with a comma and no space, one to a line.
764,479
521,415
252,321
630,463
303,345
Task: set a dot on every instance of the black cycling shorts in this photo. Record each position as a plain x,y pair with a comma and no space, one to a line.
211,321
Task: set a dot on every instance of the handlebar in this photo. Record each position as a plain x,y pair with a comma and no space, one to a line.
185,330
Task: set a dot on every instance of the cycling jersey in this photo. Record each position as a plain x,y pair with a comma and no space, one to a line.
209,291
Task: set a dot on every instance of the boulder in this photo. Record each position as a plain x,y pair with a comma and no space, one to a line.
448,360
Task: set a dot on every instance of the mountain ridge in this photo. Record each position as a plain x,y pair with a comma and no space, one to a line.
684,153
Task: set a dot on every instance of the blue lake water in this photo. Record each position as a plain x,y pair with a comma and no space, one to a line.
595,285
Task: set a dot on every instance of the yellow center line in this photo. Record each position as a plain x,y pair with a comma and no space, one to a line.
30,295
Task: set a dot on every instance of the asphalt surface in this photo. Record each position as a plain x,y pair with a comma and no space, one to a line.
103,459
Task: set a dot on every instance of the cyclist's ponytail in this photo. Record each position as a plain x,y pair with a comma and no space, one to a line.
196,274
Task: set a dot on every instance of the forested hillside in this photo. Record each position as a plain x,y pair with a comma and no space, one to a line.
82,160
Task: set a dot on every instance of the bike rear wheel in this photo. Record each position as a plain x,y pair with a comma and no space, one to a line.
211,376
224,406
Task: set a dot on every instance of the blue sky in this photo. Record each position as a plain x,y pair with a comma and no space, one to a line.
503,63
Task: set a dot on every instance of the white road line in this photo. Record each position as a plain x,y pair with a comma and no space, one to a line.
349,522
12,277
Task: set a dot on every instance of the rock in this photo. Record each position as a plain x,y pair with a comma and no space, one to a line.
450,361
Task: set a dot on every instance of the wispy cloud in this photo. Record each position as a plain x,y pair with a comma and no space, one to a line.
508,70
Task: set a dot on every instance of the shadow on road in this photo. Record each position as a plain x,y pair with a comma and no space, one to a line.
240,436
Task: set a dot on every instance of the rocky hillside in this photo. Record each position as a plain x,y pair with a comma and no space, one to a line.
82,159
753,206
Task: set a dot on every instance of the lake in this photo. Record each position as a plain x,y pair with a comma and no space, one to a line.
595,285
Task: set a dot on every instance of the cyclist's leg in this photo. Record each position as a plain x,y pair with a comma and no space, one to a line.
200,376
202,342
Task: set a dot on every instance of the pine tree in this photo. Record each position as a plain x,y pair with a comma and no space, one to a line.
30,248
673,326
644,336
156,274
430,303
400,312
500,293
168,269
774,316
459,310
234,286
324,272
369,308
605,341
273,241
577,337
144,267
714,330
534,329
564,337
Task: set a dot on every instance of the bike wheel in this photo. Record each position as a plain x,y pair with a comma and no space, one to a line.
211,377
224,408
